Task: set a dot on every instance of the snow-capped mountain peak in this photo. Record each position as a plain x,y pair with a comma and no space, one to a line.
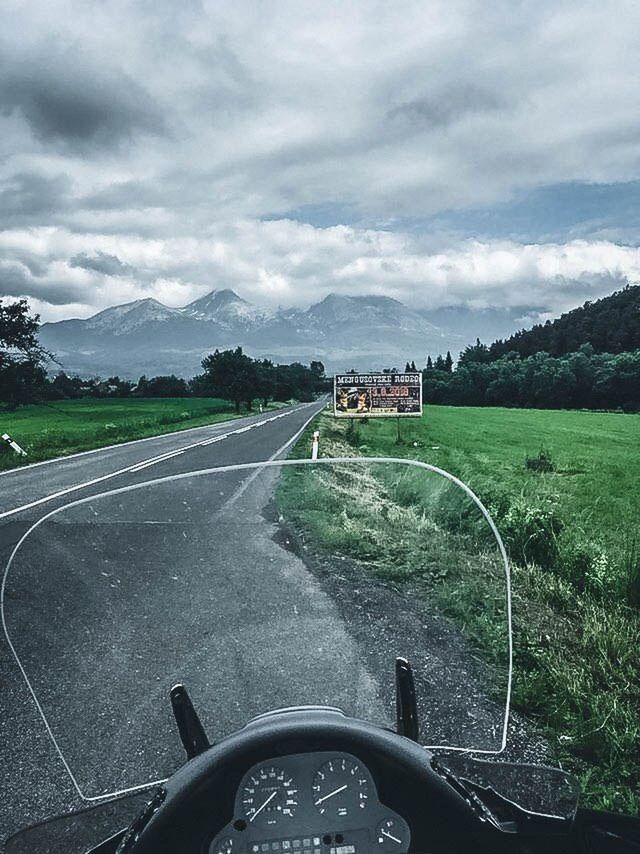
131,315
223,306
368,332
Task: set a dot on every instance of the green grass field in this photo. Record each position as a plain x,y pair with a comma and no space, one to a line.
65,427
572,533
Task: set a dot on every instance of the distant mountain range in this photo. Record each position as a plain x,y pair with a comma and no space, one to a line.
363,332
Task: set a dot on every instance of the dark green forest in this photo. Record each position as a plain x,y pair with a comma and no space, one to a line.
229,374
609,325
589,358
582,380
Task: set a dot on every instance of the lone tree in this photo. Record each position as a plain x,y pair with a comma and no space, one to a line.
266,374
22,358
231,375
317,369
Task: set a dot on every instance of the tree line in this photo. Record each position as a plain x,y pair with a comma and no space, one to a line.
228,374
581,380
233,375
584,378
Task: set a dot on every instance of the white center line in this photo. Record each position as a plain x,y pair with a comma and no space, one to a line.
141,464
157,460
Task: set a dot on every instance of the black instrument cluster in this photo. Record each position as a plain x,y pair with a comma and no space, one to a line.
311,803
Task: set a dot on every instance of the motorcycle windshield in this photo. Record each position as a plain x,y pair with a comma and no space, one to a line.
259,586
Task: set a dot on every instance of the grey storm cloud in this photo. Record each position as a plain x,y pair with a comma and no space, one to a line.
127,194
101,262
68,99
17,280
294,146
26,196
454,103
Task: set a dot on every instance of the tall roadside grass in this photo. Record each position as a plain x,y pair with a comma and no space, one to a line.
576,588
424,536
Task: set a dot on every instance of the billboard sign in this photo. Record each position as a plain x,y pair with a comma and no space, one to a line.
377,395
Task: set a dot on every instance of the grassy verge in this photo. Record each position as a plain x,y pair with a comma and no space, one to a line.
564,489
66,427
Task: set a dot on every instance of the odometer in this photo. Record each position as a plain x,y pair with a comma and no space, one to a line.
340,788
268,794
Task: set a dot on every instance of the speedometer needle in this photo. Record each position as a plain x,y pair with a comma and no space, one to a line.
392,838
331,794
258,811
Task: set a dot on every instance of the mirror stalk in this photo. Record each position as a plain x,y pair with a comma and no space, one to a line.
406,706
192,734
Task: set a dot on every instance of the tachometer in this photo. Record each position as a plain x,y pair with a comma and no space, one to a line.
268,794
340,788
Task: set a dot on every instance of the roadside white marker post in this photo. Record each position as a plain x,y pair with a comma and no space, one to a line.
16,447
314,444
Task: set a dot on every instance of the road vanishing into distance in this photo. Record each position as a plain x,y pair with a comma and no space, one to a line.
33,780
115,598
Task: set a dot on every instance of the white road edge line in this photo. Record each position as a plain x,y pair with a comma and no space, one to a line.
260,467
117,445
58,749
243,486
133,467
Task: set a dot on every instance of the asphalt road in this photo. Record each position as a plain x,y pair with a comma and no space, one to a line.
106,468
33,780
110,602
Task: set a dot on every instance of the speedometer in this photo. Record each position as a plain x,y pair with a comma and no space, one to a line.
340,788
269,794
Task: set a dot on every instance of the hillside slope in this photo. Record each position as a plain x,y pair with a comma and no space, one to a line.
610,325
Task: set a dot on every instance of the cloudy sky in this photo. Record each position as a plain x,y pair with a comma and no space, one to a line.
474,153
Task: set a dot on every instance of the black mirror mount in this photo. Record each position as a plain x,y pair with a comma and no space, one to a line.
406,705
192,735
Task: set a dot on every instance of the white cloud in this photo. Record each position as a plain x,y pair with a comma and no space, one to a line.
287,263
163,139
402,108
